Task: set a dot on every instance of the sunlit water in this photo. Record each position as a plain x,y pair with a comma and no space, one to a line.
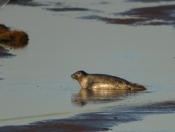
36,83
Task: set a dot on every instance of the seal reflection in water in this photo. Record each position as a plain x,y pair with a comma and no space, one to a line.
102,81
87,96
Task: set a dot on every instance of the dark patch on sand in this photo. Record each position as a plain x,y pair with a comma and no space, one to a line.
63,7
27,3
67,9
104,2
126,21
147,1
95,121
157,15
156,12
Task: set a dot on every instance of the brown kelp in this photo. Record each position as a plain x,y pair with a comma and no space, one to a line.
3,28
13,38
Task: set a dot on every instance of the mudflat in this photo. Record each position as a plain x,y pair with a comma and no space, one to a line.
133,39
96,121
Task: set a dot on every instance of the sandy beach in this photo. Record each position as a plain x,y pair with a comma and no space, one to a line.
131,39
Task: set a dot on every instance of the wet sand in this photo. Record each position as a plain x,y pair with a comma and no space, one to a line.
101,120
96,121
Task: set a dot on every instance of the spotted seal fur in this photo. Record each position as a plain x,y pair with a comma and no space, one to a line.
103,81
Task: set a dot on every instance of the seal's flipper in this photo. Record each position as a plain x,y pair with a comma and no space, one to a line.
136,86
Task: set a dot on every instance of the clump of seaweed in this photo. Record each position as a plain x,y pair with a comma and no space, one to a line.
3,28
13,38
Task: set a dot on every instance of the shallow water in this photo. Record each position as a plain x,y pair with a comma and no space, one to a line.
36,83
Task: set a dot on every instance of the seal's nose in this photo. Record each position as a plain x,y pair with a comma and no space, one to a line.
72,76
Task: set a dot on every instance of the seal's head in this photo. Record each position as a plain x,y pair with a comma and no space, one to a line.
79,75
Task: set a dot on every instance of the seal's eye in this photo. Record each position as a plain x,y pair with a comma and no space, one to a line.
78,73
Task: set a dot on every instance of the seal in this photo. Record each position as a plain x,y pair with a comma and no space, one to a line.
103,81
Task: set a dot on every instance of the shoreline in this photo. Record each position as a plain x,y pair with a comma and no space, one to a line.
97,121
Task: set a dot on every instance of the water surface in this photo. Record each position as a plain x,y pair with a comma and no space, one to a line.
36,82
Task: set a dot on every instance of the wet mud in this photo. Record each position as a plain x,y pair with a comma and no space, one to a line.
59,7
102,120
96,121
27,3
156,15
147,1
125,21
62,7
67,9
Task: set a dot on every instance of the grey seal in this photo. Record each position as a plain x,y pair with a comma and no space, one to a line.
103,81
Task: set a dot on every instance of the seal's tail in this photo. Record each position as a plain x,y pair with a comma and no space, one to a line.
136,86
